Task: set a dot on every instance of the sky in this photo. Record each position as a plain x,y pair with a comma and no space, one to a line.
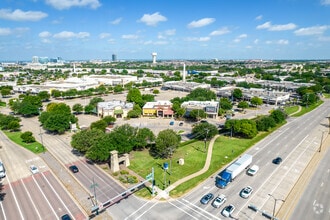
174,29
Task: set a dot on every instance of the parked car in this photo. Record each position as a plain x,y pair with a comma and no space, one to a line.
74,168
219,200
66,217
34,169
277,160
2,170
181,124
207,198
253,170
228,210
171,122
246,192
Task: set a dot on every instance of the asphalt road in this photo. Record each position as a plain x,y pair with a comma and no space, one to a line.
315,198
32,196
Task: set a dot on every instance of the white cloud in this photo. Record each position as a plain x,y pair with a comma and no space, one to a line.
45,34
240,37
278,27
82,35
256,41
5,31
129,36
152,19
221,31
66,4
19,15
201,39
165,34
116,21
104,35
314,30
325,2
280,42
69,35
258,17
201,23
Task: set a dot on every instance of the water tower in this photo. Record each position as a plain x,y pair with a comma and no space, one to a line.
154,56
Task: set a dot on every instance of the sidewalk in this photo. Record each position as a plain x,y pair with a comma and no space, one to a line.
164,194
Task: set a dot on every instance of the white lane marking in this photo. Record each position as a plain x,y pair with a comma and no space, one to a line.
43,194
270,176
133,213
29,195
3,211
199,209
184,210
12,191
322,184
57,195
146,210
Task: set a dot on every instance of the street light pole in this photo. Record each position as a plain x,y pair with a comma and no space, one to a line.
275,201
329,123
207,132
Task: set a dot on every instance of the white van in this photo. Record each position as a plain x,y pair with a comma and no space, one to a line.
2,170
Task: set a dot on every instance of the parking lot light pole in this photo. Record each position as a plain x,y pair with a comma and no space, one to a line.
275,201
207,132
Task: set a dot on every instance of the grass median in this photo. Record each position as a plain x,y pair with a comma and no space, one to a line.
15,137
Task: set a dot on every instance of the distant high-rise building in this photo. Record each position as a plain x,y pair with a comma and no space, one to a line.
114,57
35,59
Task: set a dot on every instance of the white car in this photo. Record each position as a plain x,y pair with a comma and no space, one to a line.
228,210
34,169
219,200
246,192
253,170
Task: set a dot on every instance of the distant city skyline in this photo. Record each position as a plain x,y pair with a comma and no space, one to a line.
133,30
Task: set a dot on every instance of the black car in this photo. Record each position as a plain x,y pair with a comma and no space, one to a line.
207,198
66,217
74,168
277,160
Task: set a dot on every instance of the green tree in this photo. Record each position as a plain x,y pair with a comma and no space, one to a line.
201,94
205,131
225,104
166,143
89,109
133,114
77,108
28,109
14,126
134,95
278,115
118,89
144,137
124,138
109,119
57,123
85,139
242,128
243,105
197,114
100,125
5,92
100,150
237,94
44,96
264,123
256,101
27,137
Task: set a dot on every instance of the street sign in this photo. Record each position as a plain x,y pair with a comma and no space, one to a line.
149,176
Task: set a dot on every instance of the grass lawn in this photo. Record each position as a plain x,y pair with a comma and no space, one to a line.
225,150
291,109
306,109
35,147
